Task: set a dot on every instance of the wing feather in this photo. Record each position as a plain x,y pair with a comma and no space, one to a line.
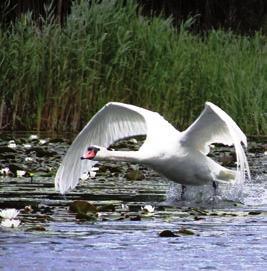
215,126
113,122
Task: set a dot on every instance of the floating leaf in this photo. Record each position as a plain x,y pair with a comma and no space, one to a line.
82,207
254,213
134,175
167,233
36,228
186,231
106,208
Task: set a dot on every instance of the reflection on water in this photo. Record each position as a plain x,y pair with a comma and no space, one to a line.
228,235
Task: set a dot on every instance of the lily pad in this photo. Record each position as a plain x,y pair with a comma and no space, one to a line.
254,213
136,218
5,149
168,233
197,218
36,228
87,217
41,151
186,231
134,175
106,208
14,167
82,207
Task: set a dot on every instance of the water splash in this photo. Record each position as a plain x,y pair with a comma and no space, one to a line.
251,193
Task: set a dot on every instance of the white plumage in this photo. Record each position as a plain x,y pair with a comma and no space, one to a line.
179,156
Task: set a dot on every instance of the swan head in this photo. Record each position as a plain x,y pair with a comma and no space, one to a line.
91,152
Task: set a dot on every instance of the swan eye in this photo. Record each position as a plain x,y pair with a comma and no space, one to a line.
93,148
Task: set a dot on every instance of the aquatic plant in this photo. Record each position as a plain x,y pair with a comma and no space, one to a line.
55,77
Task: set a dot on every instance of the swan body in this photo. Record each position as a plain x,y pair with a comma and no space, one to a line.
179,156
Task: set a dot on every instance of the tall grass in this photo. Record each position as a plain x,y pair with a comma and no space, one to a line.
56,78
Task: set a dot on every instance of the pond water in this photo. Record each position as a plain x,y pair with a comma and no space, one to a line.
226,233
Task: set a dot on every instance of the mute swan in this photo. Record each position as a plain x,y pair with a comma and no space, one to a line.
179,156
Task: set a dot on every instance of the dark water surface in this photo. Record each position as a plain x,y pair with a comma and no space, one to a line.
226,234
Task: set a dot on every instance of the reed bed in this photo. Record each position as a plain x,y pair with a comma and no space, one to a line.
56,77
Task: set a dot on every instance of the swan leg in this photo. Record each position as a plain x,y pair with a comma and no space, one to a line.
183,192
215,187
215,197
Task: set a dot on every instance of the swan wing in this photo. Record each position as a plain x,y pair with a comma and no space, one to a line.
215,126
113,122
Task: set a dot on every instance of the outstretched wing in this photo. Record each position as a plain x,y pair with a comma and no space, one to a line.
215,126
113,122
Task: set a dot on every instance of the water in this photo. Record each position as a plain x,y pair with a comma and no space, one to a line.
136,246
228,235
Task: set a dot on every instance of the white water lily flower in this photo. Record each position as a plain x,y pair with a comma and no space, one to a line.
148,209
27,146
20,173
133,140
5,171
42,141
9,213
10,223
12,144
28,159
33,137
125,207
92,172
265,153
84,176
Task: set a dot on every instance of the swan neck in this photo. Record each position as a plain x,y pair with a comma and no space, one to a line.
124,156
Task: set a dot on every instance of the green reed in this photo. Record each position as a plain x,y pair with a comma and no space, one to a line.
56,77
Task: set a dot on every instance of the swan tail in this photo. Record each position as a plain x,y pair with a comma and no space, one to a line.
226,175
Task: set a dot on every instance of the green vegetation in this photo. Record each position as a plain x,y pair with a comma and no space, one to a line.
56,78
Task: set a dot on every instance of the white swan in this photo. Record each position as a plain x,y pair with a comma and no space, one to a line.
179,156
